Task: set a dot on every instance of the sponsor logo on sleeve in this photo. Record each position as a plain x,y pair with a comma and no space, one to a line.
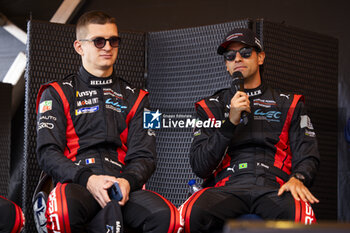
45,106
47,118
305,123
47,125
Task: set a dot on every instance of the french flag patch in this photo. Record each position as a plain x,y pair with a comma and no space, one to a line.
90,161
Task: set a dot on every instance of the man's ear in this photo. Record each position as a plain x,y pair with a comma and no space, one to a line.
78,47
261,58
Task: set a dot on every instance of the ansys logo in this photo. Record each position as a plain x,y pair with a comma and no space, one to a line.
151,120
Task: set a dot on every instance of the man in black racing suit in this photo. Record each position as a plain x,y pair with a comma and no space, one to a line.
90,135
263,167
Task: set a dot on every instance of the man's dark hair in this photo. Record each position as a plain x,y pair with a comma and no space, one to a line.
92,17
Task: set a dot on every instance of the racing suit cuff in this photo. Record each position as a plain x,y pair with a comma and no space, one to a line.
132,181
83,176
227,128
304,178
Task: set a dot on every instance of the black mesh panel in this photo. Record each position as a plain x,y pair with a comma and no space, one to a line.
5,136
307,63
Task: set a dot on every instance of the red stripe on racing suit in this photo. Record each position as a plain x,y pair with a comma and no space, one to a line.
283,156
72,146
304,213
124,135
57,211
227,159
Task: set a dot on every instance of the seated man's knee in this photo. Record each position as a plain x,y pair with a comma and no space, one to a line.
304,213
69,206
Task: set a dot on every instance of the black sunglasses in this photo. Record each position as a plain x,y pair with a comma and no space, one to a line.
244,52
100,42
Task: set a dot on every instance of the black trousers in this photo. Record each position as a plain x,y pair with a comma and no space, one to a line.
71,208
208,210
11,216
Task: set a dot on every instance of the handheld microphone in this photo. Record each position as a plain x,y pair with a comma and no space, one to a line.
238,85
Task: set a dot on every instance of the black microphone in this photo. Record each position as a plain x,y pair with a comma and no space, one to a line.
238,85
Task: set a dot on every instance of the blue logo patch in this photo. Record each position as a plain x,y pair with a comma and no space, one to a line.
268,116
86,110
116,106
151,120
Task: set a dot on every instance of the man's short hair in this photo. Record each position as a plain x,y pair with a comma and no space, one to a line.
92,17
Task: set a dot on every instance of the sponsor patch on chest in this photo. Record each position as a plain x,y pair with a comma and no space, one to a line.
264,103
270,116
86,110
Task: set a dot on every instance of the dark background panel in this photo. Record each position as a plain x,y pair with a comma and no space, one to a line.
5,136
306,63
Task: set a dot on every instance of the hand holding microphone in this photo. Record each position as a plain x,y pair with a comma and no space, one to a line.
240,105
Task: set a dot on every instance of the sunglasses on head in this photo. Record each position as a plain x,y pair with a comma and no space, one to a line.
100,42
245,52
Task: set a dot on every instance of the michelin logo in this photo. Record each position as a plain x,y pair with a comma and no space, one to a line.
86,110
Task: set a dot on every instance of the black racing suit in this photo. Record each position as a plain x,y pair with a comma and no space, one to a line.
11,217
88,125
248,163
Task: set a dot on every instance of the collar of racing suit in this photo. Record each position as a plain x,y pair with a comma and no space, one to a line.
93,81
255,92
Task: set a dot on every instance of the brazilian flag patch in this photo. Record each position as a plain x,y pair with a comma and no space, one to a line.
242,165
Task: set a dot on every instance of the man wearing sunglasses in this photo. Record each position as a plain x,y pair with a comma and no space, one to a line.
91,140
262,167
